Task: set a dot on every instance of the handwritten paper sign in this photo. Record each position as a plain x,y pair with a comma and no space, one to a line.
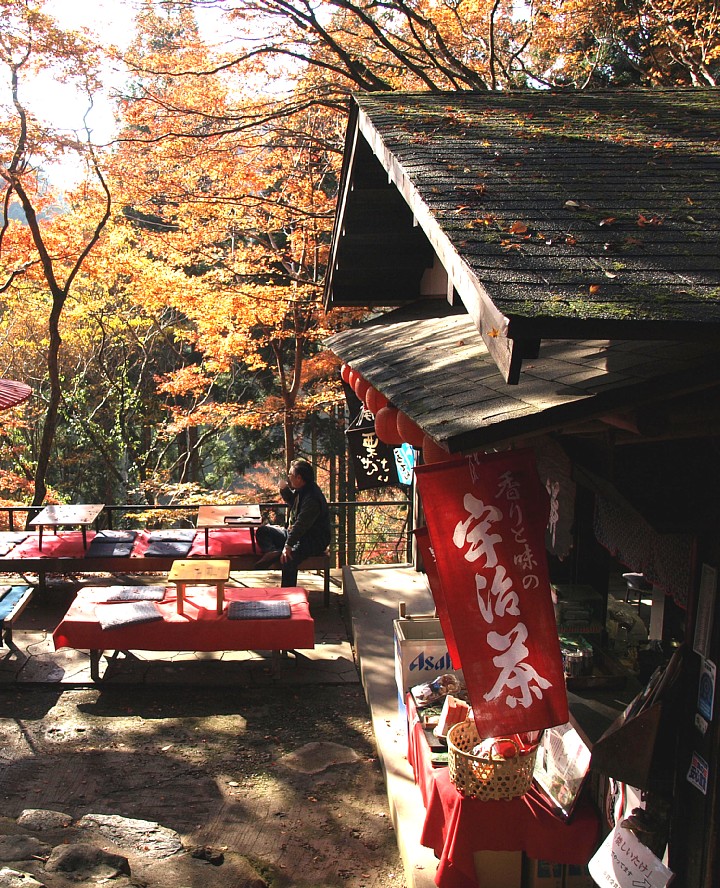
404,463
624,862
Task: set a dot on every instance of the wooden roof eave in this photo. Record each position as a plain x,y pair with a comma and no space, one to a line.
393,351
351,136
490,323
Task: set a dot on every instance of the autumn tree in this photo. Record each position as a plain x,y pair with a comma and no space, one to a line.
587,44
477,44
244,214
264,118
41,250
192,330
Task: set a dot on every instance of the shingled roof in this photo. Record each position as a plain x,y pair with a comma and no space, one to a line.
572,215
428,360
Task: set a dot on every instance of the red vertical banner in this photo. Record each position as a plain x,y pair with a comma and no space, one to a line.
486,517
428,556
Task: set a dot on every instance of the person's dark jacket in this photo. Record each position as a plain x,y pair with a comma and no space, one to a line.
308,519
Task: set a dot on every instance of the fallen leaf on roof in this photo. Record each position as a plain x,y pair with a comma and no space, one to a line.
644,221
479,189
518,228
610,220
594,288
481,220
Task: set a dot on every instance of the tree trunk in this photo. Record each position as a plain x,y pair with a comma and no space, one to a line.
51,416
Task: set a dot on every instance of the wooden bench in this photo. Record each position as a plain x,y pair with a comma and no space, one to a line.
68,566
12,605
42,566
320,564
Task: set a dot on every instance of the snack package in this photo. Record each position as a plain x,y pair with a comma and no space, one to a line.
430,692
453,711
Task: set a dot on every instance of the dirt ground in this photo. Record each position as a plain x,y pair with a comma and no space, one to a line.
228,769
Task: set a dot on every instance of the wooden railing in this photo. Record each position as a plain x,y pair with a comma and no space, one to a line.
363,532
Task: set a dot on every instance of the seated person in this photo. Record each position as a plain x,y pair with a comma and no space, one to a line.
308,524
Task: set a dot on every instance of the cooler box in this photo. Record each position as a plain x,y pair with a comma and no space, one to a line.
421,653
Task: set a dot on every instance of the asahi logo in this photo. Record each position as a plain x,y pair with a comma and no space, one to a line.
426,663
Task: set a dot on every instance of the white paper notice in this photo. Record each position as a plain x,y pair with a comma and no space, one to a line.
624,862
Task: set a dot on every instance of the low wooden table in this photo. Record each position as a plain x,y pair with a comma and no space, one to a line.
66,516
199,629
229,517
213,572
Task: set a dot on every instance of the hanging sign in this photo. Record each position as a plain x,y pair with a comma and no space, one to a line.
622,861
374,462
486,516
404,463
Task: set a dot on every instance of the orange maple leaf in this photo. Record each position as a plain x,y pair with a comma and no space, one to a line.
644,221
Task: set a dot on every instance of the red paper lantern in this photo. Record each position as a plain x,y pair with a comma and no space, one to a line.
386,426
375,400
409,431
361,387
433,452
345,371
352,378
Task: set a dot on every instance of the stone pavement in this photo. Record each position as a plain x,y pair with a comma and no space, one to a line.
353,642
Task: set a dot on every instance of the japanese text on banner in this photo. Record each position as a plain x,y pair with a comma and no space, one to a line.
486,517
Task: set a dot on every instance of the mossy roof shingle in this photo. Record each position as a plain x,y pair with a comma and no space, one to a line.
555,215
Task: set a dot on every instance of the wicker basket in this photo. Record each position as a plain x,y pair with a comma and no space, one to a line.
483,778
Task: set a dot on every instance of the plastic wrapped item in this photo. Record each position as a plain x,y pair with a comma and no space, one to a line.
430,692
498,748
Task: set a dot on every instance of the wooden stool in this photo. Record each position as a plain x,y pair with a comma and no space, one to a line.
212,572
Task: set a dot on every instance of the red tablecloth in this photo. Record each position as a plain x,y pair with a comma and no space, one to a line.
223,543
455,827
200,628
